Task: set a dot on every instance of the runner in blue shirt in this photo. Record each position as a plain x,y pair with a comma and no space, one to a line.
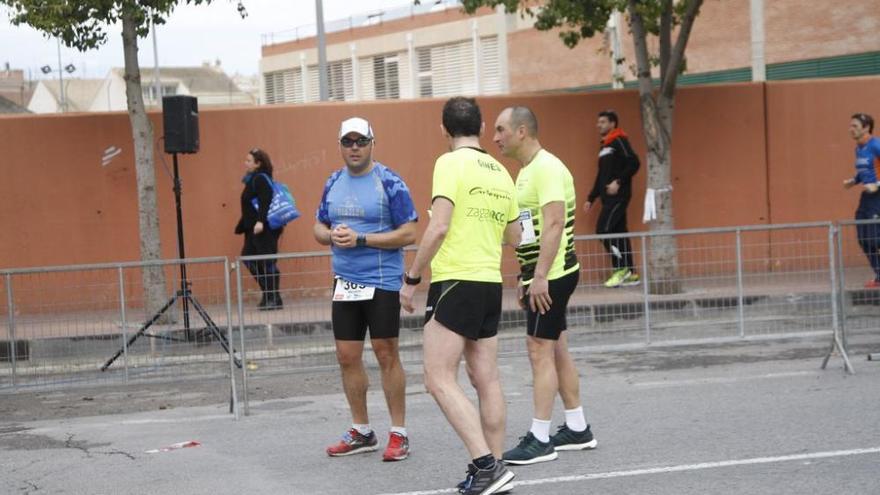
867,173
367,216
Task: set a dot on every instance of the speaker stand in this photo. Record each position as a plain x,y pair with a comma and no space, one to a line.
184,295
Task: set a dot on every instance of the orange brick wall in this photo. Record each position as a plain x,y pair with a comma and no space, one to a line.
742,154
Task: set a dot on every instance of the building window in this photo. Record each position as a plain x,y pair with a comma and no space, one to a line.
425,79
386,77
273,84
451,69
340,86
284,86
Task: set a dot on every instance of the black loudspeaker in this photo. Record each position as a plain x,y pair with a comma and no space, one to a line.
180,116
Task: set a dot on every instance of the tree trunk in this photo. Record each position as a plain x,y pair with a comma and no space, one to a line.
656,112
662,254
155,293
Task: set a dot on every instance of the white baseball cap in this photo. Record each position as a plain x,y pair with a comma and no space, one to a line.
356,124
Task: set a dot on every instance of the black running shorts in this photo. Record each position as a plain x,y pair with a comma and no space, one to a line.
470,309
380,314
551,324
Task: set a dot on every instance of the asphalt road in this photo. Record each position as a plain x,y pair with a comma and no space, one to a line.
751,417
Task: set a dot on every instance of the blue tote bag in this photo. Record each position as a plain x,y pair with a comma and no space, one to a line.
282,210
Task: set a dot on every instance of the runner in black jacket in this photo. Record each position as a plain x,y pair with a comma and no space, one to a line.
617,164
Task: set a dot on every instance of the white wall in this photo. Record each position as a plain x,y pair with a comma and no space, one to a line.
43,101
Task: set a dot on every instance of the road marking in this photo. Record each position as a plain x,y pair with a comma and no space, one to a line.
725,379
178,420
672,469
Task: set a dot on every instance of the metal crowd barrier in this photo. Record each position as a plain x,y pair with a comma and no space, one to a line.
60,325
92,324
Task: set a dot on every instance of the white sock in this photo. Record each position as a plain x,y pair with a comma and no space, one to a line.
575,420
541,429
362,429
399,429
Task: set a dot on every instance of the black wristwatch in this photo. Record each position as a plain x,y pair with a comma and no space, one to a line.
361,240
411,281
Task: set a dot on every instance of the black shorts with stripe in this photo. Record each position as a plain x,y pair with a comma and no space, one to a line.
470,309
551,324
381,315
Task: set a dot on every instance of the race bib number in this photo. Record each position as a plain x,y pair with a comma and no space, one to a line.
528,228
350,291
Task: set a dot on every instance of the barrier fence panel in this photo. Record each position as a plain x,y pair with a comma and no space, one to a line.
698,297
597,315
860,302
80,325
299,333
726,283
788,287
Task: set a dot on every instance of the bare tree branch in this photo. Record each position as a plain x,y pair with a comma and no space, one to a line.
665,36
667,85
643,64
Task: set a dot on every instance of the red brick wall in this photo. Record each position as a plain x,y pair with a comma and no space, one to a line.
721,39
736,160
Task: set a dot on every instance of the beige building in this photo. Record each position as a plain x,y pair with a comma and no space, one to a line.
14,87
208,83
79,95
436,50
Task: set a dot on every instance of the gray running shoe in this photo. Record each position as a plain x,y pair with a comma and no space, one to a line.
487,481
462,485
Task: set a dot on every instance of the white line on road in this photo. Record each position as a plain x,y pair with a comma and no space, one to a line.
725,379
673,469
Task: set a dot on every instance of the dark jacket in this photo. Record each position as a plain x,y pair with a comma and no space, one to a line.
617,160
256,186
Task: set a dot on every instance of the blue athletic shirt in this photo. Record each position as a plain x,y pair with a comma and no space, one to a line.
868,161
375,202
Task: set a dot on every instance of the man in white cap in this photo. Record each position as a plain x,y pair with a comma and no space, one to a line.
367,216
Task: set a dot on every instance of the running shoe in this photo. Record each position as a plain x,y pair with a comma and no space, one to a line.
487,481
631,280
617,278
470,473
397,449
530,451
353,442
568,439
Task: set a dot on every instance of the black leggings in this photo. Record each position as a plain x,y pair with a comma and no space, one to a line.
265,272
869,234
612,220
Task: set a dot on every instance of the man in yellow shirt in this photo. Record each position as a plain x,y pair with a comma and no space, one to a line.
474,211
549,275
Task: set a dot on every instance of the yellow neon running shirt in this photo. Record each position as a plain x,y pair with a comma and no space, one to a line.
545,180
484,199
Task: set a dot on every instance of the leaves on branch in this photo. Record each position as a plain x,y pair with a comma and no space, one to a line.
82,24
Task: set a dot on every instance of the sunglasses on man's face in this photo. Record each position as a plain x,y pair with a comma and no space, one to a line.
362,142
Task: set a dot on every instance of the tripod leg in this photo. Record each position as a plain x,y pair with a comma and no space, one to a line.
184,304
141,331
828,355
224,343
